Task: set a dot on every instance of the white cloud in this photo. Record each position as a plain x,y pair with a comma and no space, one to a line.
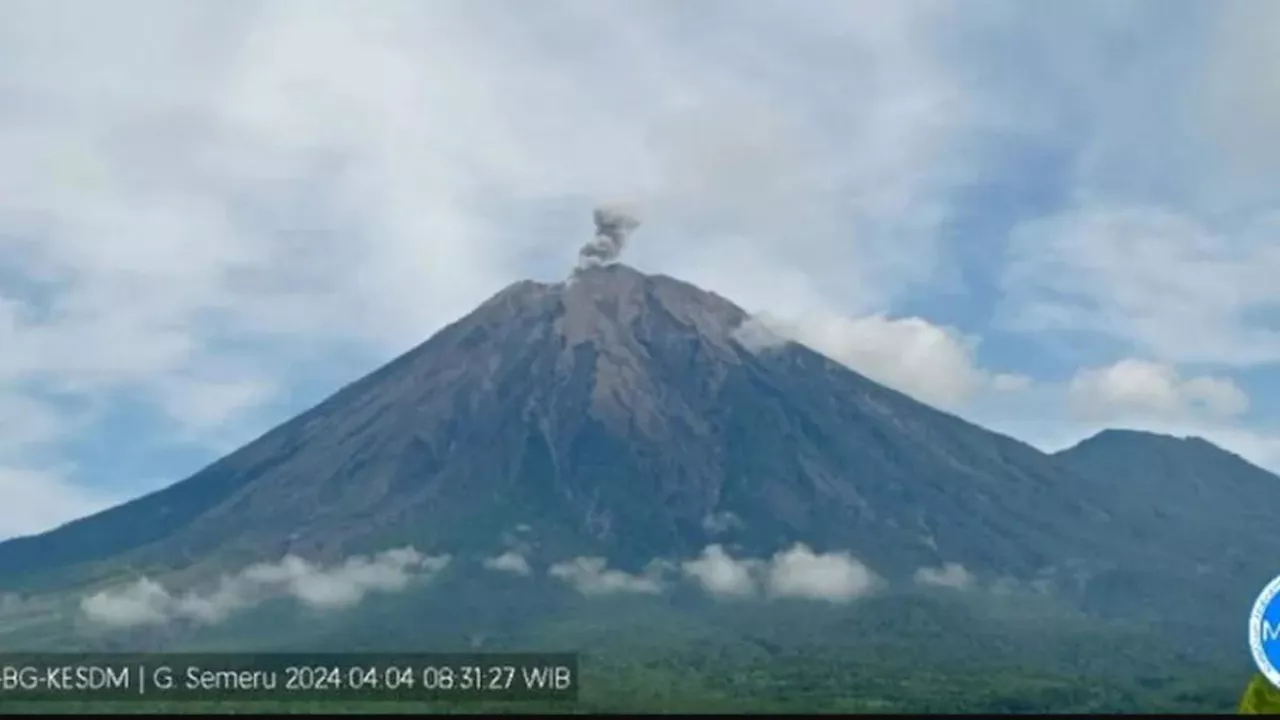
592,576
952,575
27,423
1161,281
147,602
1163,241
144,602
719,574
210,403
509,562
933,364
835,577
797,572
1010,382
38,500
1238,97
312,112
1140,388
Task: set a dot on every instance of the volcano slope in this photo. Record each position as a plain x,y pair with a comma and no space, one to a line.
619,415
633,418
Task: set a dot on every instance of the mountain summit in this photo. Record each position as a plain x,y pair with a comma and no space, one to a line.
619,414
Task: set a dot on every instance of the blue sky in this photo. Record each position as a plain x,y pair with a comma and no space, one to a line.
1049,218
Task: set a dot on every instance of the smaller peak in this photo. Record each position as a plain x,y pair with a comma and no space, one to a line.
1111,436
1148,445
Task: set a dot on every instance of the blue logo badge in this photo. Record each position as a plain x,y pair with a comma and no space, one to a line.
1264,632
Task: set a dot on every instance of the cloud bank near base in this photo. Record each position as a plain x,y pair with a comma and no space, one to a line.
592,576
509,562
797,572
952,575
340,586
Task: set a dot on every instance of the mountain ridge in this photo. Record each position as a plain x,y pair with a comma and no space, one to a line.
1137,435
615,413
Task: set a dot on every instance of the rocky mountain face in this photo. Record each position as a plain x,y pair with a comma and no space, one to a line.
625,415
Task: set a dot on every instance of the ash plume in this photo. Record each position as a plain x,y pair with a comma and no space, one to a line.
613,225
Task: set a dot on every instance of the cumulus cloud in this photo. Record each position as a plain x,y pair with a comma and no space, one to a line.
1141,388
592,576
933,364
719,574
952,575
144,602
837,577
509,562
797,572
343,585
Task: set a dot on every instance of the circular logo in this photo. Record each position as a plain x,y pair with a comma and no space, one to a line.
1264,632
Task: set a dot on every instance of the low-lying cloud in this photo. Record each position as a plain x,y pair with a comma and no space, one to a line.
509,562
340,586
952,575
592,576
722,575
955,576
798,572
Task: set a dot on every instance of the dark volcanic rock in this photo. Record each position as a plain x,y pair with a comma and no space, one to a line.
618,415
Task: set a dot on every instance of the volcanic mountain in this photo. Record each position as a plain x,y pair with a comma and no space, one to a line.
629,416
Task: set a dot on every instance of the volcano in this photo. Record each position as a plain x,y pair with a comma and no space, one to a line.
628,416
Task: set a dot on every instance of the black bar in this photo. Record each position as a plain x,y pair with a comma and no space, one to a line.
293,676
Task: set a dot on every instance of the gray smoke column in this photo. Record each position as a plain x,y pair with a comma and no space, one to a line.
613,225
